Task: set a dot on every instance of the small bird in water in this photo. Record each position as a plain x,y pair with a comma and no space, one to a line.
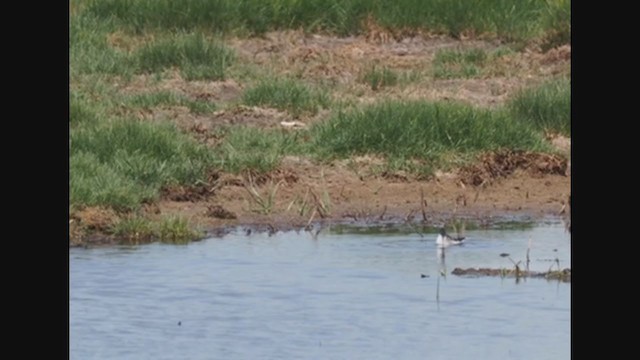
445,239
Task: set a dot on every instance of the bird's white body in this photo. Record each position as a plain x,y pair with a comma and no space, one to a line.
444,240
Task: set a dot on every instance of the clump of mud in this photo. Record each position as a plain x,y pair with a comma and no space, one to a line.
218,212
201,191
500,164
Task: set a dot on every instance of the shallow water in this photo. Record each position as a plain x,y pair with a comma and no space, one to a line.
334,296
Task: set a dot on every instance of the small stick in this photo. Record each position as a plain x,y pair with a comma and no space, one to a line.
409,216
423,205
313,214
381,217
528,249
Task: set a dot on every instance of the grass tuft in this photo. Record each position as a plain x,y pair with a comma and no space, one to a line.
176,230
246,148
556,19
422,130
136,229
458,63
546,107
378,78
287,94
197,58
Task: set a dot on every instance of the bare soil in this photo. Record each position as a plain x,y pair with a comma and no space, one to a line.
300,192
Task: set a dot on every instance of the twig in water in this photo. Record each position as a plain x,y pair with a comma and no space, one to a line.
528,249
409,216
516,264
313,214
272,229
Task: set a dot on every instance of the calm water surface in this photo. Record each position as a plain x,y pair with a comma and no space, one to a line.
334,296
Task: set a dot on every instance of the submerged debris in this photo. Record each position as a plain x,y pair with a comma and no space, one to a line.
562,275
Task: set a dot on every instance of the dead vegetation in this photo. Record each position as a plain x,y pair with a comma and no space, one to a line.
500,164
563,275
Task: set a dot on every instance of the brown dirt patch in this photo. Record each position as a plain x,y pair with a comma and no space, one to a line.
91,225
223,91
95,218
250,116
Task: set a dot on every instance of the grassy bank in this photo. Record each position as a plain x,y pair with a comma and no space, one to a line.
136,65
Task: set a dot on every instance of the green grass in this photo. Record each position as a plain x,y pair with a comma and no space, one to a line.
556,17
89,52
197,57
246,148
123,163
508,19
134,229
378,78
419,129
289,95
82,110
449,64
92,182
546,107
466,63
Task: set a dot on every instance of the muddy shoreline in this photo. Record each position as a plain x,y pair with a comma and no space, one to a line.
348,200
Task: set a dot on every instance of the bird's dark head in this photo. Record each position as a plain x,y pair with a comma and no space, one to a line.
443,232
